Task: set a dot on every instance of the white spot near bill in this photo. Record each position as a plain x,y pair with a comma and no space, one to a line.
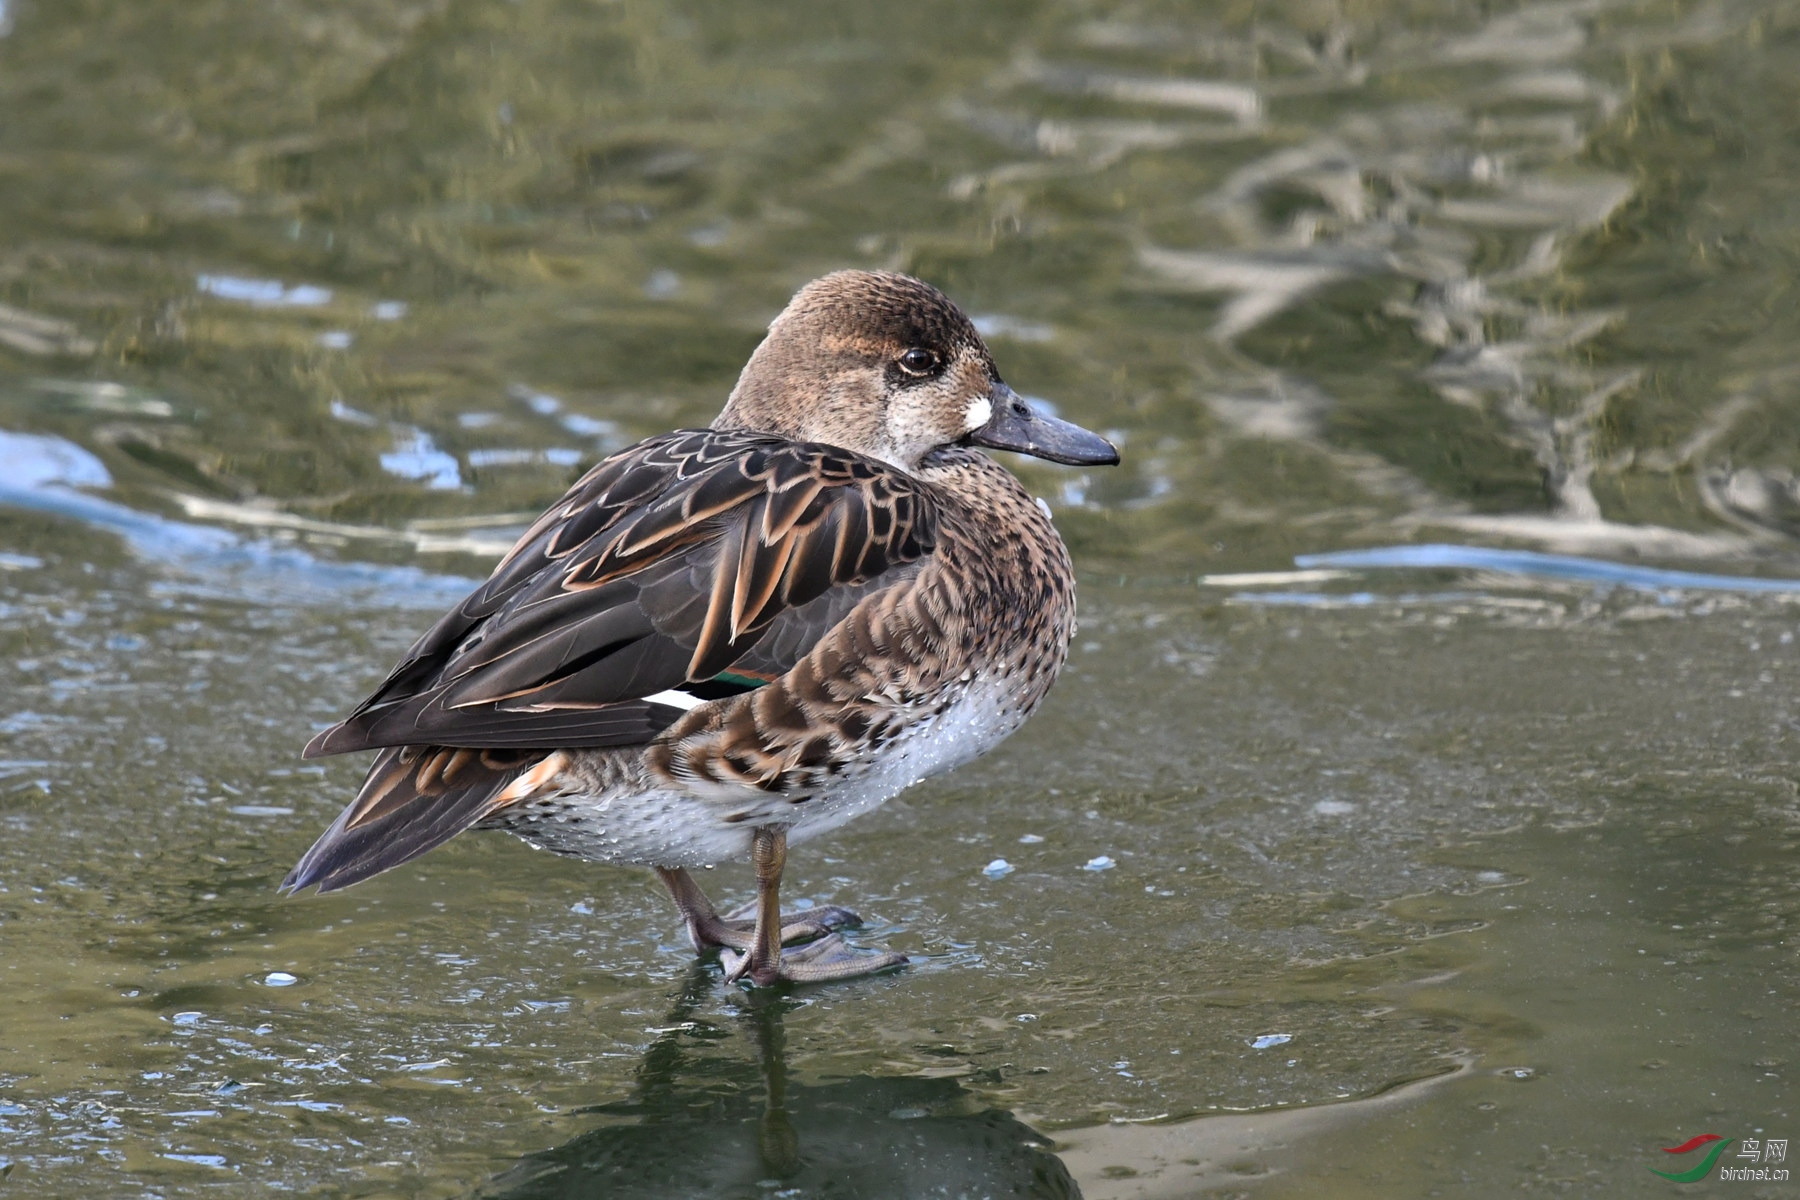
979,413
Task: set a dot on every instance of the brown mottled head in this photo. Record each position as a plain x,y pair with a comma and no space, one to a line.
886,365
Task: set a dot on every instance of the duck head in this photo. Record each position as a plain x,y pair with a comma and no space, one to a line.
886,365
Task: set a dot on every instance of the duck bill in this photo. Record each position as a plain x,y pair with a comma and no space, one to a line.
1015,427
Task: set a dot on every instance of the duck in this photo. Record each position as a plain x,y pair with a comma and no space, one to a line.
723,642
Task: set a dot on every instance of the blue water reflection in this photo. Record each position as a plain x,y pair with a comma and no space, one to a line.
41,472
1438,556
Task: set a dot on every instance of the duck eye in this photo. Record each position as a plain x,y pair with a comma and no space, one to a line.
919,361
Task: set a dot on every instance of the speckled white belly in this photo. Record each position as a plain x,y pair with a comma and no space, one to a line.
671,828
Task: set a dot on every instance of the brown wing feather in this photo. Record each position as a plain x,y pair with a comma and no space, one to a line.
664,565
415,798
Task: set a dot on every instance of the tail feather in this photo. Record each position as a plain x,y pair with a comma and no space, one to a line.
416,798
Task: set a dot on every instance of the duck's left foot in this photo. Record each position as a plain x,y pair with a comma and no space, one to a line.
737,933
755,950
799,926
736,930
828,958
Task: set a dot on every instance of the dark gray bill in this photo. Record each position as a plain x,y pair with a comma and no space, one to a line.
1015,427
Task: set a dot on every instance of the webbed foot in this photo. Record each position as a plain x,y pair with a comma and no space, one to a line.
756,948
830,957
737,932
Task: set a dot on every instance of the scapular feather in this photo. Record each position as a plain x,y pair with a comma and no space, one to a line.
665,564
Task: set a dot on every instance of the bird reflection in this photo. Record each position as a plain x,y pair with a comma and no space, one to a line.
703,1124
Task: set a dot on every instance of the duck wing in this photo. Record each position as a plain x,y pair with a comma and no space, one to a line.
662,569
416,798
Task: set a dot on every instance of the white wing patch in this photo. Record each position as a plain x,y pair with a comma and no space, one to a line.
674,699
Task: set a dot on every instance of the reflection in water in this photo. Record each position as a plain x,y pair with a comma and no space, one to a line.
1359,275
701,1123
40,472
1544,566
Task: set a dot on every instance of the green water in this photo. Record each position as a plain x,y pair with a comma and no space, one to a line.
1430,882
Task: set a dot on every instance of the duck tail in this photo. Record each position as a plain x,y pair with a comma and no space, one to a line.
416,798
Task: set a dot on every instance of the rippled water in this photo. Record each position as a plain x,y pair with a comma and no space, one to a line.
1458,856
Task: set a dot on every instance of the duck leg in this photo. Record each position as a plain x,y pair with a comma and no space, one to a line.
707,930
830,957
